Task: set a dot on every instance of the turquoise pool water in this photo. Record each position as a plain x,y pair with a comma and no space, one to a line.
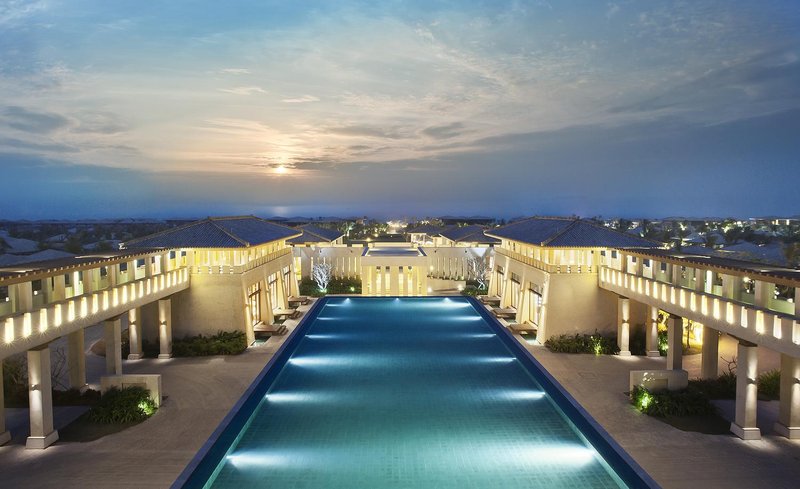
407,393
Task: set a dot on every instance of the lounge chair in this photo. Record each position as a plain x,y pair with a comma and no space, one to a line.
505,313
290,313
270,329
522,328
489,299
300,300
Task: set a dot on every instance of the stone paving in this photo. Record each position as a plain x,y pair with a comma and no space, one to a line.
675,459
200,392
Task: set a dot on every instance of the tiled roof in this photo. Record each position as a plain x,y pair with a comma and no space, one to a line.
314,234
470,234
217,232
563,232
428,229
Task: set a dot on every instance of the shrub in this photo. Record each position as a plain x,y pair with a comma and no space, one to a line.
686,402
128,405
583,343
472,291
723,387
75,397
663,342
769,384
222,343
336,286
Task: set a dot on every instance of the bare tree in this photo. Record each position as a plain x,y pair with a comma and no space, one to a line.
322,274
479,270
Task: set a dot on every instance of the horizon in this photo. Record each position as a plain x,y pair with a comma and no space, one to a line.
508,108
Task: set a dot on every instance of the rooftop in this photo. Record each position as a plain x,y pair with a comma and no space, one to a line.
316,234
217,232
468,234
566,232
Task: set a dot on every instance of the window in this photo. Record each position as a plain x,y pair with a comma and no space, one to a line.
646,262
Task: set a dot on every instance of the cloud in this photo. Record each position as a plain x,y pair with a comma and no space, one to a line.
32,121
444,132
301,100
250,90
395,132
99,123
235,71
12,11
29,146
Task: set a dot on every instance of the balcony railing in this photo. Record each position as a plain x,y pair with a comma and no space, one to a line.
760,325
237,269
54,319
547,267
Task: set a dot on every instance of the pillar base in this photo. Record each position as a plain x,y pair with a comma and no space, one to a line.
654,353
745,433
624,353
5,437
41,442
135,356
164,356
792,433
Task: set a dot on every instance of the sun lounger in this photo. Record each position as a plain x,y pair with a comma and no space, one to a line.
489,299
522,328
270,329
286,313
299,300
505,313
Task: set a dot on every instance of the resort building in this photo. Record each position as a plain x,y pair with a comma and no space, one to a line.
551,275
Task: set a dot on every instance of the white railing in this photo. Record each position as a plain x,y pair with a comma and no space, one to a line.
760,325
58,318
547,267
234,269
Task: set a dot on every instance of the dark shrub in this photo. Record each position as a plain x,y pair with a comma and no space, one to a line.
686,402
222,343
128,405
336,286
583,343
769,384
723,387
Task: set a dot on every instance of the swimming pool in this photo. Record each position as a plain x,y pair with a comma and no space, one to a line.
407,393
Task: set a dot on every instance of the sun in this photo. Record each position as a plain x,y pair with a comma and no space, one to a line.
281,170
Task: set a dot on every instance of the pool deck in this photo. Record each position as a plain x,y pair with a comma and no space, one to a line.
201,392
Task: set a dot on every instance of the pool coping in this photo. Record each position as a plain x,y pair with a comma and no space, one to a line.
620,461
196,474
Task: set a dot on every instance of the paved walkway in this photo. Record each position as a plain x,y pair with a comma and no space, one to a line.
675,459
199,393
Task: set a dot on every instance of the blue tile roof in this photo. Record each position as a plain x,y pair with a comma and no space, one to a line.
471,234
315,234
560,232
217,232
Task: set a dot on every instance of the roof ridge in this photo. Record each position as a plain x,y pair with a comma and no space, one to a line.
166,231
561,231
623,233
233,236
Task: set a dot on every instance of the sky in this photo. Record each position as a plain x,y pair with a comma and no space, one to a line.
399,108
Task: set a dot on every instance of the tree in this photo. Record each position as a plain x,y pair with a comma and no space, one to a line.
792,253
322,274
479,270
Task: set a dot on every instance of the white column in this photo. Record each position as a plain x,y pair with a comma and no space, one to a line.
59,288
5,436
40,393
709,365
731,287
394,280
674,343
76,359
135,334
623,325
112,334
165,328
744,425
788,423
283,302
764,293
651,332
